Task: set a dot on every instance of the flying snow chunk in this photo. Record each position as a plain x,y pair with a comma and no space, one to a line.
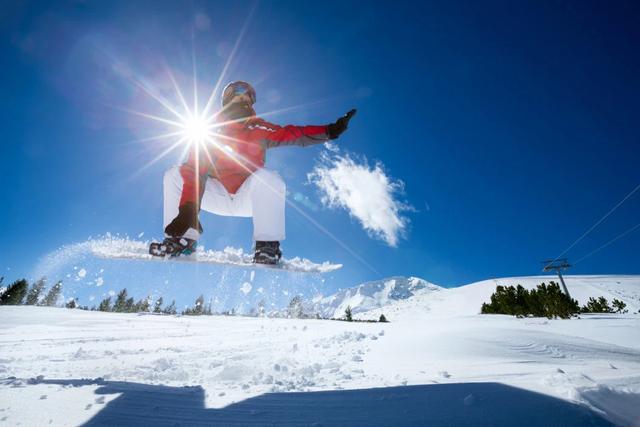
99,281
246,288
367,193
82,273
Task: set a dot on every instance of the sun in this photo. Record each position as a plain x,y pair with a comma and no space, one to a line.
196,129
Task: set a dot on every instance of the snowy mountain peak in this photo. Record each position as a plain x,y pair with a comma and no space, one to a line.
369,295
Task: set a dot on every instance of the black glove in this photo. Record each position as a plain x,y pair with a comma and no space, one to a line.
335,129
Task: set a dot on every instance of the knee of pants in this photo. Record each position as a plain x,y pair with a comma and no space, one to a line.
271,180
172,177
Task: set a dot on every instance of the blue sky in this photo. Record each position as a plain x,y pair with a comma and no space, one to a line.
513,126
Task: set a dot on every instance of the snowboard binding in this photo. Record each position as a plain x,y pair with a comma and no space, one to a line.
267,253
173,247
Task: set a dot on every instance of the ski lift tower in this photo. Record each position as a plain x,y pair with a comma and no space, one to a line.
558,265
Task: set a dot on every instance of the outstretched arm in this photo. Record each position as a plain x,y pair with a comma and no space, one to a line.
276,136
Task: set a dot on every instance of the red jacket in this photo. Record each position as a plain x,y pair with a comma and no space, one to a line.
239,149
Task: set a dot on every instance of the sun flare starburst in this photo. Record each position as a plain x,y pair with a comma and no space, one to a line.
197,129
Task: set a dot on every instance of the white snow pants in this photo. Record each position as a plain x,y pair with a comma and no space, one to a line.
261,196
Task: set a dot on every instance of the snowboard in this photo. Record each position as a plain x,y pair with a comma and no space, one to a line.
126,249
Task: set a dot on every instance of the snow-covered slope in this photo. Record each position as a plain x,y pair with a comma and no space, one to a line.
368,296
394,295
467,300
438,362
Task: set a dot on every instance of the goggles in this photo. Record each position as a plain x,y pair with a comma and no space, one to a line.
239,88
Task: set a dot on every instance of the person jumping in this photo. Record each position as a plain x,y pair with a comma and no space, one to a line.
228,177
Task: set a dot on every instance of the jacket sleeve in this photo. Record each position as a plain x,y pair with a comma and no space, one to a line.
275,136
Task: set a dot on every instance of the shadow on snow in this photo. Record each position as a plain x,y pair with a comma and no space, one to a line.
437,404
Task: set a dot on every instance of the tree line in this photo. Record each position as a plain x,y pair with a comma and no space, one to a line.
20,293
545,301
296,311
123,303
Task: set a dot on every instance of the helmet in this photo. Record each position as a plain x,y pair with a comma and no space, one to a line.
237,88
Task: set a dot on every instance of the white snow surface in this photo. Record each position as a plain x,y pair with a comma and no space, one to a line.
68,367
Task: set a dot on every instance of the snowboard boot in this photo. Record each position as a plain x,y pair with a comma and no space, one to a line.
173,246
267,253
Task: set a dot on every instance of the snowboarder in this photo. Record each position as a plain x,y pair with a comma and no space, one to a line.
228,177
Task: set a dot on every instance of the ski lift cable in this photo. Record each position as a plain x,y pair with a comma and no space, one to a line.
619,236
612,210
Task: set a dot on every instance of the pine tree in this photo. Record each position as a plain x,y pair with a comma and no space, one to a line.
129,305
261,309
15,293
71,303
521,301
295,308
600,305
120,305
142,305
198,308
51,299
382,319
157,308
556,303
207,310
348,315
171,309
34,292
619,306
105,304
